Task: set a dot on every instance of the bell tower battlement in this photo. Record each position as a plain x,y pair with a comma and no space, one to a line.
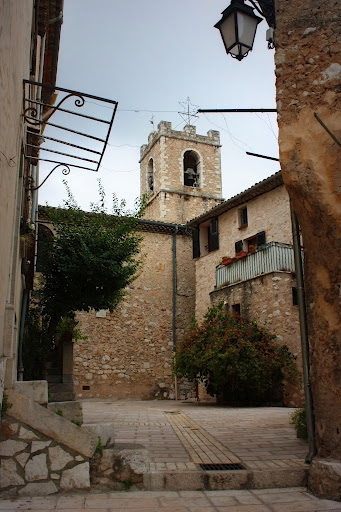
180,172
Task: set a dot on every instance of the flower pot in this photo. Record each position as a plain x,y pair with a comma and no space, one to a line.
226,261
241,255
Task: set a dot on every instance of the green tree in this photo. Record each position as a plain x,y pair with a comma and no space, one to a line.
91,259
238,361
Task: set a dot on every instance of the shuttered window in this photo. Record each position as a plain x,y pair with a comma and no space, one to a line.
213,235
261,238
196,243
238,246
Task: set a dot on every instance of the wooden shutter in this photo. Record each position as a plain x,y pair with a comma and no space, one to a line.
261,238
196,243
213,236
238,246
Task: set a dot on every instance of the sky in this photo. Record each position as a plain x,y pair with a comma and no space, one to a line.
151,56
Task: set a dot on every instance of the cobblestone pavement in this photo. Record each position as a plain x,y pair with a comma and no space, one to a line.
264,500
178,436
178,433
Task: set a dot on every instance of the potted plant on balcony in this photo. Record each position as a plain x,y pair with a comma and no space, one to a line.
226,260
241,255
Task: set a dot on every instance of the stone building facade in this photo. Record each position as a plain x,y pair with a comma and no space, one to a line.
128,353
255,227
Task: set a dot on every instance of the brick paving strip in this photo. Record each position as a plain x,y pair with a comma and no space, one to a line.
201,446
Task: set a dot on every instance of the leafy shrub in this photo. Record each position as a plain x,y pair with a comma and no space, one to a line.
299,422
237,360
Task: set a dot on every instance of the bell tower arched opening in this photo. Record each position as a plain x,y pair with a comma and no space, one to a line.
191,161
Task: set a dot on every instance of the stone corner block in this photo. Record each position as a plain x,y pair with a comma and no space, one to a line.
103,430
76,478
71,410
36,390
324,478
51,425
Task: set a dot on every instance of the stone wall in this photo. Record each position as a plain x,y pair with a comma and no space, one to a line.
308,70
269,212
171,200
41,452
32,464
128,354
268,300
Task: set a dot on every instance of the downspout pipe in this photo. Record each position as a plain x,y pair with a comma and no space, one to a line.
174,289
24,306
304,336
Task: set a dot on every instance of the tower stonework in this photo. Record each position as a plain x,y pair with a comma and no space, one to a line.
180,173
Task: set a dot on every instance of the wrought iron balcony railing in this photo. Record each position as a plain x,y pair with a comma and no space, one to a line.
272,257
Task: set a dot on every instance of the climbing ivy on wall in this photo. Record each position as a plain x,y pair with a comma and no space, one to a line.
90,260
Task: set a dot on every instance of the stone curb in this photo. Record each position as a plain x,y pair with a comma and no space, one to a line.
224,480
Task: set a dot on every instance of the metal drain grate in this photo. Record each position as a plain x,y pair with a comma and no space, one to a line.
221,467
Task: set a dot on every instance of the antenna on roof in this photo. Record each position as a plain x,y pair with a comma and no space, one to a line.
190,111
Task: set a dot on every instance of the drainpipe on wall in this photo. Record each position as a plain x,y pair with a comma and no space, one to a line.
174,289
304,335
24,305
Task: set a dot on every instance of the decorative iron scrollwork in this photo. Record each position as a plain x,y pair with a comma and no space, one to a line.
31,113
29,180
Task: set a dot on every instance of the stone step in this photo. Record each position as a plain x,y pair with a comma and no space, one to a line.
225,480
61,396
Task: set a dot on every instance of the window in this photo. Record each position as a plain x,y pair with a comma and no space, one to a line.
238,246
196,243
235,310
150,174
256,241
243,217
191,169
205,238
213,235
294,297
261,238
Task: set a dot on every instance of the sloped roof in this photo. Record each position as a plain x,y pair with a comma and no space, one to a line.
274,181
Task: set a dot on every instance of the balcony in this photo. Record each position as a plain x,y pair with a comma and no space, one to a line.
272,257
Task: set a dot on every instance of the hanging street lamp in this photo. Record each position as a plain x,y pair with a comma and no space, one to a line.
238,26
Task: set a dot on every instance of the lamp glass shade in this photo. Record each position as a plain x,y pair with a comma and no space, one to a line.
238,29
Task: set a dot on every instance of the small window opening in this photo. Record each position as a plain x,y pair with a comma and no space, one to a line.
150,174
235,310
191,171
243,217
86,388
294,297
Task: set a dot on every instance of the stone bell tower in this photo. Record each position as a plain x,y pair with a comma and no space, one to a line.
180,172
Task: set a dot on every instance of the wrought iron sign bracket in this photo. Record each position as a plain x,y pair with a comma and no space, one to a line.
77,137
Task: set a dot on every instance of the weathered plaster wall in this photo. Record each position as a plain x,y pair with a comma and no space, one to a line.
128,353
268,300
308,69
15,34
269,212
